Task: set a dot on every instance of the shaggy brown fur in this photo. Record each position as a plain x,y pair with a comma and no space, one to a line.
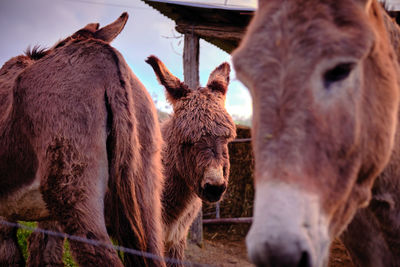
196,137
324,81
69,132
46,250
196,140
11,254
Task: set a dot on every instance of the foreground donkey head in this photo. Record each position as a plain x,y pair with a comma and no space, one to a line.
199,131
322,75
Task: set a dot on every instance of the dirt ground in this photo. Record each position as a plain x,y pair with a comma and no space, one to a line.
222,251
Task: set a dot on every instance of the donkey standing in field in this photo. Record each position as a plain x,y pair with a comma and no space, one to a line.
324,78
195,154
79,132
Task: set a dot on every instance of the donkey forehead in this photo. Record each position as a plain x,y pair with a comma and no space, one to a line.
194,127
288,40
309,28
201,101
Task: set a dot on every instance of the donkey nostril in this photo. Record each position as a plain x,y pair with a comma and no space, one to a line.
213,192
215,189
304,260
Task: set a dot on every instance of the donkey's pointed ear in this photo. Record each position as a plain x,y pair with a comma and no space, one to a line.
92,27
219,78
109,32
175,88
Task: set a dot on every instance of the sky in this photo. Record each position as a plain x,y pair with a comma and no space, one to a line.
44,22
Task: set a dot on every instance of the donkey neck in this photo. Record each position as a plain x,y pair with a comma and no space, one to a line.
394,36
385,196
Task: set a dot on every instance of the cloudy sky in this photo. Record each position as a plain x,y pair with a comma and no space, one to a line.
43,22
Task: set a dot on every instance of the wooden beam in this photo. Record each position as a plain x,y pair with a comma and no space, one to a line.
241,140
228,220
212,31
191,78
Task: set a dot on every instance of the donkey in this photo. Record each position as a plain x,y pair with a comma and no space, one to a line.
194,155
324,79
79,133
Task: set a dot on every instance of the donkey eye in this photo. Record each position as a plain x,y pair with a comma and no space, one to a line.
338,73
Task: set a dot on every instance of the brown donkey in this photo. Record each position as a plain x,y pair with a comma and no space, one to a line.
76,123
324,79
195,154
195,159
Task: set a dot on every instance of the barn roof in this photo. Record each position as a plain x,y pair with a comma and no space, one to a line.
224,28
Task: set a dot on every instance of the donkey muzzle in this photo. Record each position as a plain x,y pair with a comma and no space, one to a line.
289,228
213,185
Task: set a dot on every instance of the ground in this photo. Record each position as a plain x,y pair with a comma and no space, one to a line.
220,248
218,253
223,251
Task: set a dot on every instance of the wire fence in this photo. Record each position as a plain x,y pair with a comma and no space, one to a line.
102,244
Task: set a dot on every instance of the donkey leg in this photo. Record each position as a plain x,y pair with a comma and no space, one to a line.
46,250
74,189
86,220
176,251
10,252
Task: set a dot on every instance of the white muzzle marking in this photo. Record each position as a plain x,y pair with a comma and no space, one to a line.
288,222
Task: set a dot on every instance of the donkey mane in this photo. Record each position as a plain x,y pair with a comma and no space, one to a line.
36,52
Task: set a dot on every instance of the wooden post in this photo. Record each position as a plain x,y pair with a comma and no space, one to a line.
191,78
191,60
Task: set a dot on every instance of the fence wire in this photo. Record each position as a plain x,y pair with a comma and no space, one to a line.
103,244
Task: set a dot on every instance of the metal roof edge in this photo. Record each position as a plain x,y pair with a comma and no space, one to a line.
209,6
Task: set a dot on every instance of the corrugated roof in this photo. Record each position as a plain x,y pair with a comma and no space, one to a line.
248,5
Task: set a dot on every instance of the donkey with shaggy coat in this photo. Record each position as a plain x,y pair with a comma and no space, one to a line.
79,133
195,154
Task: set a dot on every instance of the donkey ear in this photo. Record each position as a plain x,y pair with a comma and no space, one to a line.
109,32
86,31
92,27
219,78
175,88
